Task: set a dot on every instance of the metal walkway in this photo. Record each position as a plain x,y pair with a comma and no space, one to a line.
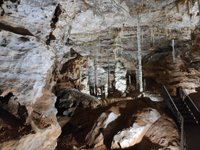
187,116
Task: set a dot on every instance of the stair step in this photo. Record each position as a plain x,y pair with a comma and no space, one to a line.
191,122
187,116
184,110
181,105
190,119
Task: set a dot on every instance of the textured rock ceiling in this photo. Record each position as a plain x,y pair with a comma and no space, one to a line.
36,36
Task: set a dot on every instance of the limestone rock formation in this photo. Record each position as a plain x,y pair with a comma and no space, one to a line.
133,135
26,71
95,136
164,133
37,66
120,77
69,100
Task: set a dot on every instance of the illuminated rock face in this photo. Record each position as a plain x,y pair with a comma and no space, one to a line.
165,132
95,136
26,69
133,135
36,36
25,63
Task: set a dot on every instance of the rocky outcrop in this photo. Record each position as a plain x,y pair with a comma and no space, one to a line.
45,128
26,72
123,124
164,132
69,74
172,74
95,137
133,135
43,139
196,38
69,100
25,63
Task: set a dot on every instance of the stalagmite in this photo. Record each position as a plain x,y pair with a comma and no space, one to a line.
139,55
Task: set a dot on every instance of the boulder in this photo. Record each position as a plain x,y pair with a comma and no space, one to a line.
133,135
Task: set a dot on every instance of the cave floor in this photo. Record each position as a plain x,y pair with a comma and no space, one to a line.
74,132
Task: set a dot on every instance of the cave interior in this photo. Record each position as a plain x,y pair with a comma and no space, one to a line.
104,74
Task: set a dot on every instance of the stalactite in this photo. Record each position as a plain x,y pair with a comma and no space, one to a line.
142,36
121,42
108,63
139,55
188,4
95,76
115,45
136,78
152,36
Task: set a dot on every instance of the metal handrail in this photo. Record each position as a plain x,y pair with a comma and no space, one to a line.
174,105
183,139
179,117
191,101
192,106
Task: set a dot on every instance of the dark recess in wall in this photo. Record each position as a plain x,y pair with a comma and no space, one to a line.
6,98
54,20
56,15
17,30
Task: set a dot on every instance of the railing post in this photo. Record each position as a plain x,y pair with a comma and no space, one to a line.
177,114
183,140
179,92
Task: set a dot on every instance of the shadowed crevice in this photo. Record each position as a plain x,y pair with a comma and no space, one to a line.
16,30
